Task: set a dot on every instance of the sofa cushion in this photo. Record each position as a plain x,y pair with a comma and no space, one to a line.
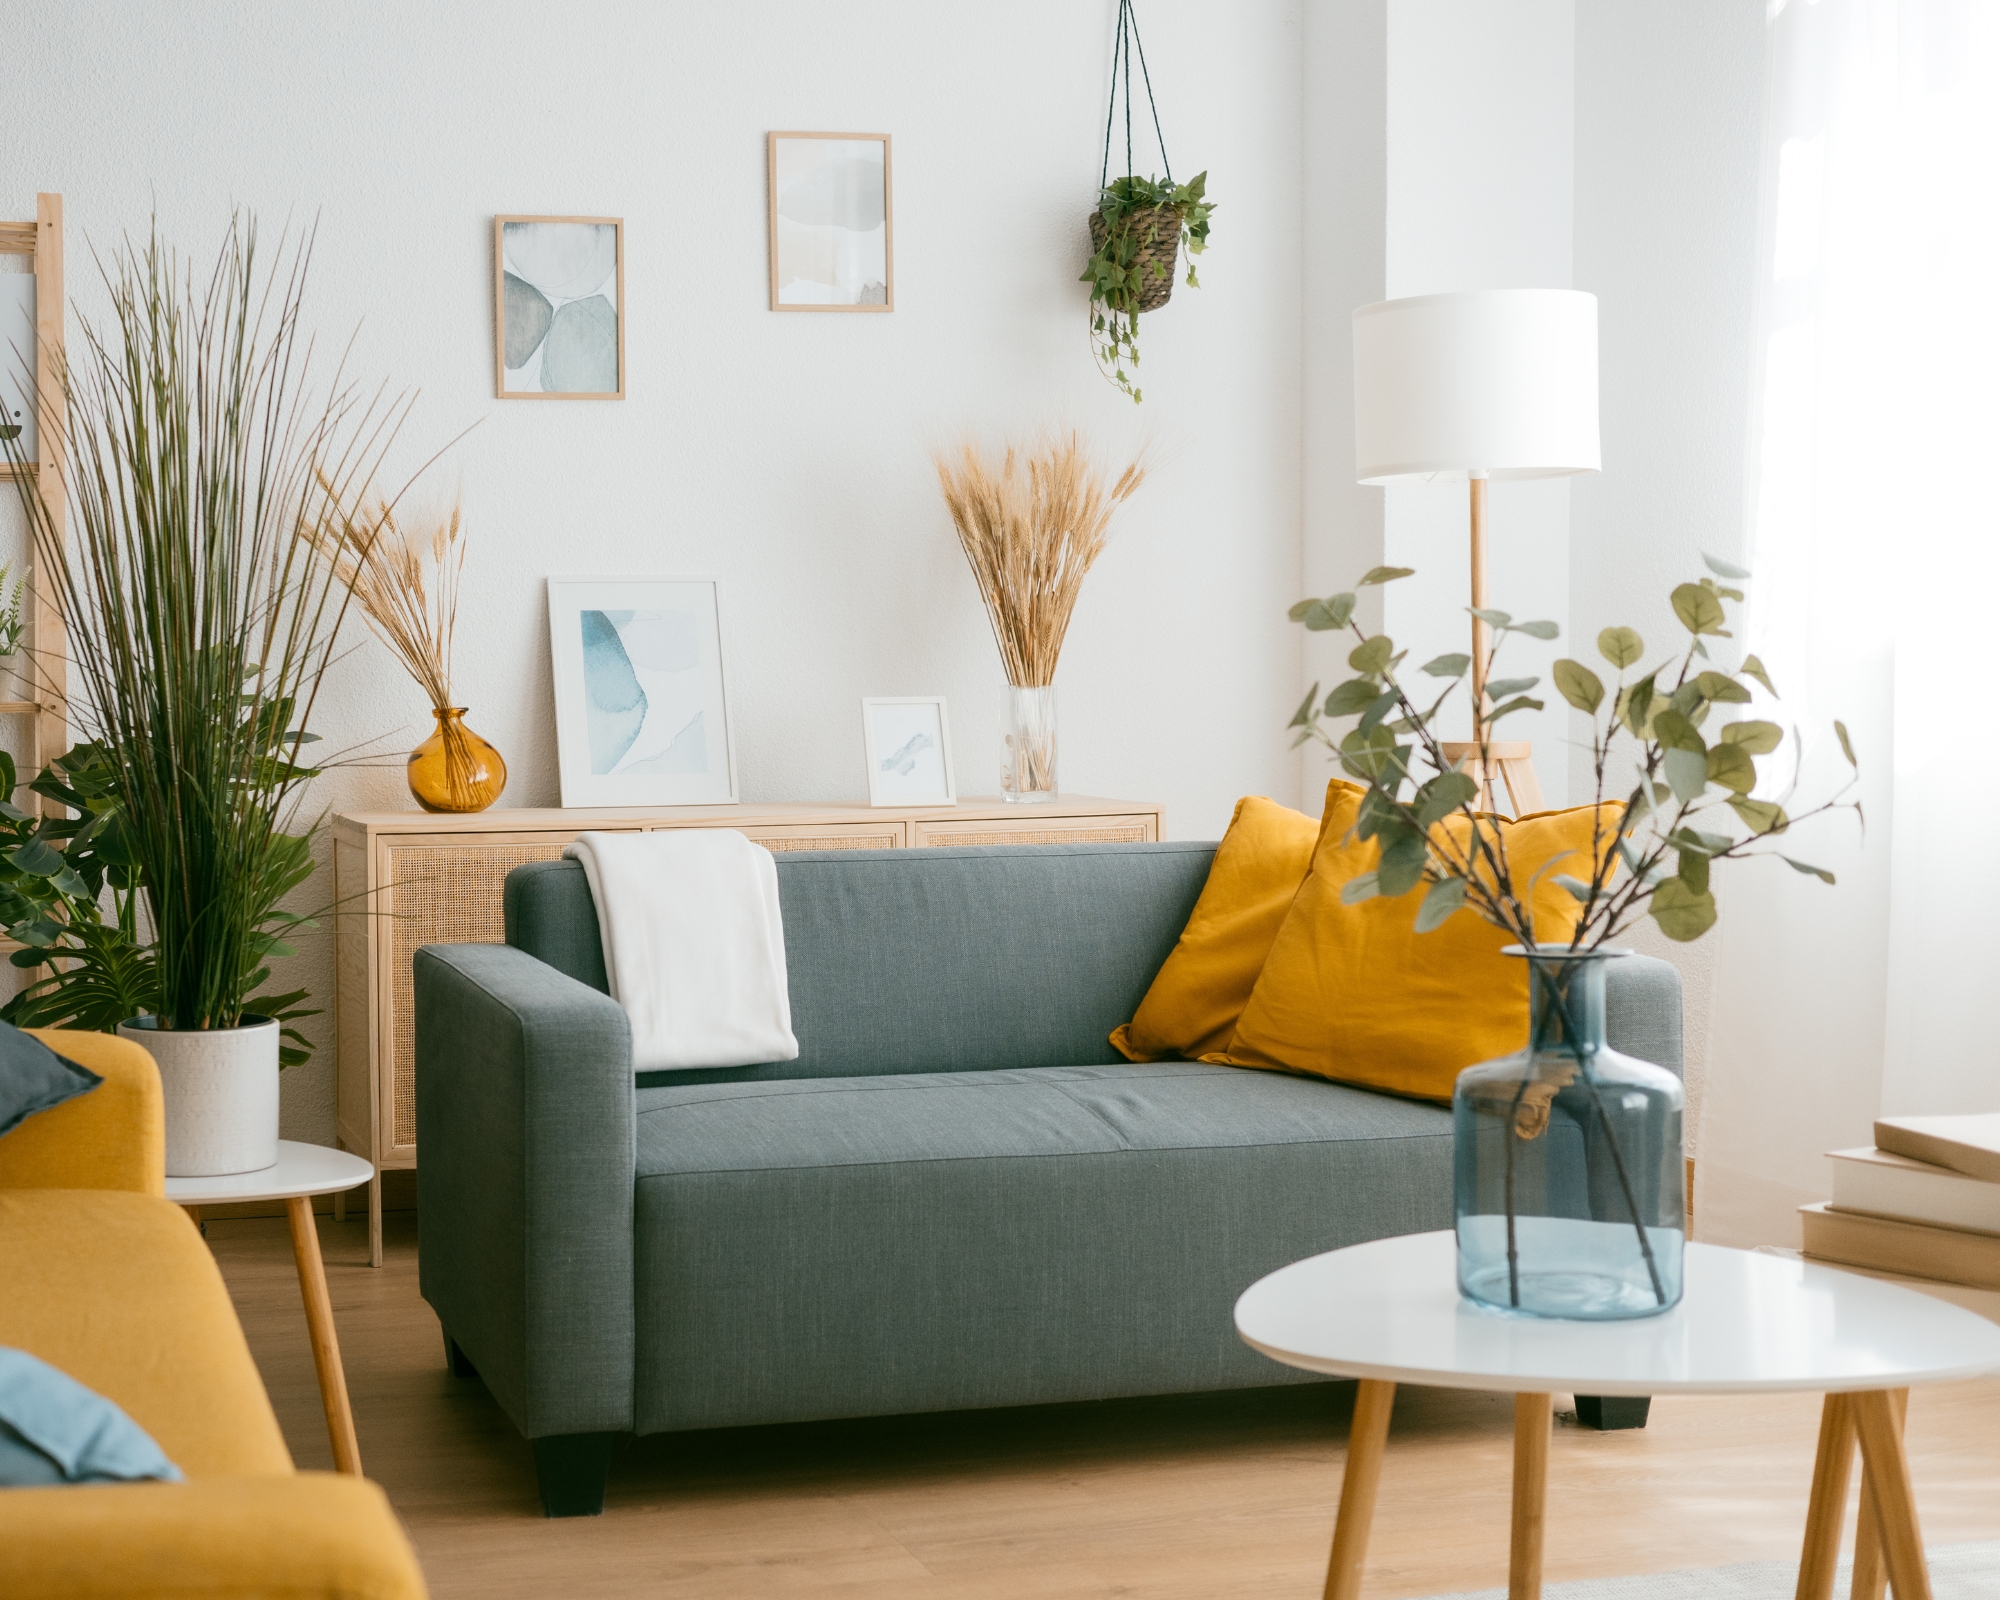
900,961
849,1247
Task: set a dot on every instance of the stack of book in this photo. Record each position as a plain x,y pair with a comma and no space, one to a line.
1924,1203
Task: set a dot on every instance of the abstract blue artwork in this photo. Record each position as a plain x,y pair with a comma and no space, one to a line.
560,284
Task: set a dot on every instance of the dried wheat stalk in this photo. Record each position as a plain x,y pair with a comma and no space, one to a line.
1030,531
406,583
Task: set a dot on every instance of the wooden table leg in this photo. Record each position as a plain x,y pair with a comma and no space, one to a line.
1366,1437
1871,1577
325,1345
1828,1503
1534,1419
1879,1426
375,1219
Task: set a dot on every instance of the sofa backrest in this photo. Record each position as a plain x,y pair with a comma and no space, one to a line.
934,960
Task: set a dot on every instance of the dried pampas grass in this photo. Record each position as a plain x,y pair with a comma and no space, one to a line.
1031,530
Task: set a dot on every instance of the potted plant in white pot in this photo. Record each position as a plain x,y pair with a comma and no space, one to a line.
201,621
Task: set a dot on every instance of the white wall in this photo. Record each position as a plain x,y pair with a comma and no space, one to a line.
1479,197
785,454
1668,120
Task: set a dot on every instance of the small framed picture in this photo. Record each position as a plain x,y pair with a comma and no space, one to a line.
909,752
642,708
559,308
831,222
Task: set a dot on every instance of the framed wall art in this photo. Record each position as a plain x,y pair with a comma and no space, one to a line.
831,222
642,706
908,742
559,308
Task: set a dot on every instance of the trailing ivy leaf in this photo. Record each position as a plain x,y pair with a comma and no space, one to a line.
1760,816
1536,630
1446,896
1698,608
1846,744
1758,738
1730,765
1621,647
1493,619
1753,668
1372,655
1518,703
1358,888
1357,694
1448,666
1375,575
1402,865
1722,688
1500,688
1578,685
1725,569
1693,870
1687,773
1810,871
1383,704
1682,913
1443,795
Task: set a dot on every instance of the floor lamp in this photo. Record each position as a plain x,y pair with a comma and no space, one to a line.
1488,384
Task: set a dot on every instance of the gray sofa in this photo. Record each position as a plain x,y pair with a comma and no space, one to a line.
958,1195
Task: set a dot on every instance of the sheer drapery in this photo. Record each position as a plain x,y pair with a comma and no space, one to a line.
1873,528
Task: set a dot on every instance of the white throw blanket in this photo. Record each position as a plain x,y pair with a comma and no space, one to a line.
693,943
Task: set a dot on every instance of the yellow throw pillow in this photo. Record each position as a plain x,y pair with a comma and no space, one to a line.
1194,1000
1356,994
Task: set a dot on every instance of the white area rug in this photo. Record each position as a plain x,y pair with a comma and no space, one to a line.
1958,1572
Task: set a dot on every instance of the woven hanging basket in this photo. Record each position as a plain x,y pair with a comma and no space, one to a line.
1157,232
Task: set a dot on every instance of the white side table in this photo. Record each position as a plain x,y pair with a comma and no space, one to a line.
302,1171
1389,1312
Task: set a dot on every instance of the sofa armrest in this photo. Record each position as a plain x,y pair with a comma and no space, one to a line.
113,1137
527,1122
1642,1010
307,1533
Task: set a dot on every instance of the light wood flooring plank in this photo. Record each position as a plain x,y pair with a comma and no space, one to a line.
1191,1496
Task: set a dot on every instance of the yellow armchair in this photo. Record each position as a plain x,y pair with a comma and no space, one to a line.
110,1282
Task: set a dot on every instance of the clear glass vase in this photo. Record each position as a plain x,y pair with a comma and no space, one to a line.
1028,774
1569,1173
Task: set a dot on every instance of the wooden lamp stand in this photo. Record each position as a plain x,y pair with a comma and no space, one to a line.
1490,764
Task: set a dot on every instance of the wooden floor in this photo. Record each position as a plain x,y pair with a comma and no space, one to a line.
1206,1496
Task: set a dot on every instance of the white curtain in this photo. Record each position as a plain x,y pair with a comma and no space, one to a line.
1875,542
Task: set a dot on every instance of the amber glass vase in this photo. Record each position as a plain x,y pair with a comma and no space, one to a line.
454,769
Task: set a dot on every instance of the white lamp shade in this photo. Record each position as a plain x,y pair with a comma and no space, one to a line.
1494,382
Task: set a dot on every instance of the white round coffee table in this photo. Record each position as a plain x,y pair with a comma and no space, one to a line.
1389,1312
302,1171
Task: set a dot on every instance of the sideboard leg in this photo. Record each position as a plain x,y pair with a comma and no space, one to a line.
1828,1503
1871,1577
1367,1436
1876,1421
1534,1420
375,1219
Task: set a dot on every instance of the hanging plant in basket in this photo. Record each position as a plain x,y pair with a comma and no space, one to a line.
1139,229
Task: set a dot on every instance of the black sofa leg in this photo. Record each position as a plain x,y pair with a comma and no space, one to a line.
571,1468
455,1359
1608,1412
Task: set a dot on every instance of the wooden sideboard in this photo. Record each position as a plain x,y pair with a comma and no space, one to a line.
405,879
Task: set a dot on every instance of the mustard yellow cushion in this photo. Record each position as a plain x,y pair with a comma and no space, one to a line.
114,1137
1356,994
1195,998
119,1291
309,1534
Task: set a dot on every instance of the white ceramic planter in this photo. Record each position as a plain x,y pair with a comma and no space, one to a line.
221,1090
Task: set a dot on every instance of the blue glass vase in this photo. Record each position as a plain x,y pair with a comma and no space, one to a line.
1568,1166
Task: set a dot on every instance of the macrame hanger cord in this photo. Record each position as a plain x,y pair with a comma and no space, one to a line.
1122,50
